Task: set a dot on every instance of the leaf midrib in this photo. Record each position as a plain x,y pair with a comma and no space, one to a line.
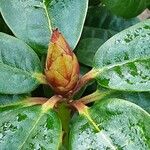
93,123
17,69
30,131
33,127
119,64
47,16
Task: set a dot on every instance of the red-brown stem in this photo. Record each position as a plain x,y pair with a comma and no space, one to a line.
79,106
51,102
36,100
47,103
85,79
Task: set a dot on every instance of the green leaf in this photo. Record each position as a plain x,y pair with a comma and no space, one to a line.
86,50
91,32
121,124
119,24
20,68
141,99
91,39
123,62
33,21
126,8
100,25
26,126
101,17
9,99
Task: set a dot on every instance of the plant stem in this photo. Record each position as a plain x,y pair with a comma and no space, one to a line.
84,79
51,102
45,102
36,100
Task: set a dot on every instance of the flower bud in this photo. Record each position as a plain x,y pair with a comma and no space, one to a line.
62,68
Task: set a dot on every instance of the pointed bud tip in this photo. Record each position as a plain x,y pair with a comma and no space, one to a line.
62,68
55,35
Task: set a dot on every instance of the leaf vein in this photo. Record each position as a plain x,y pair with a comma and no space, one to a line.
47,15
32,129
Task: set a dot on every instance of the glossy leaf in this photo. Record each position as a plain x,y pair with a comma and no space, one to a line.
91,40
86,50
9,99
33,21
123,62
141,99
25,127
20,68
132,9
122,125
91,32
100,25
101,17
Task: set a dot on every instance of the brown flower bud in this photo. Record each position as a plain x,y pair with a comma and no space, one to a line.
62,68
